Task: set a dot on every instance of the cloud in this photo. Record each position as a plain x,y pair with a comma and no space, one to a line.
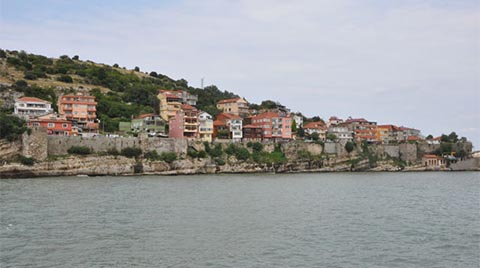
391,62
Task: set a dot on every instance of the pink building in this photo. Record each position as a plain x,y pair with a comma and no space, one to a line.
176,124
274,125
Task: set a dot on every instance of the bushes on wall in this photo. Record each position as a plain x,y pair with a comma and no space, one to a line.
80,150
131,152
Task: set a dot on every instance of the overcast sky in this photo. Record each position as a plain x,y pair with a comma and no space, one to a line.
412,63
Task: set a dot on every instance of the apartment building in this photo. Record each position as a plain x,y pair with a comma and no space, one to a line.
81,110
234,106
54,124
205,126
275,125
29,107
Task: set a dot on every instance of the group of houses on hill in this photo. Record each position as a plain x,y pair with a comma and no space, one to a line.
178,117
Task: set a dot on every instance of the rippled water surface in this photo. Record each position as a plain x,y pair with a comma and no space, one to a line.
301,220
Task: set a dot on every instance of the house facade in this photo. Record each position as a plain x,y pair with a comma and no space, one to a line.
170,103
205,127
252,133
316,127
190,121
363,130
235,106
81,110
431,160
176,125
54,123
231,125
29,107
342,132
275,126
150,123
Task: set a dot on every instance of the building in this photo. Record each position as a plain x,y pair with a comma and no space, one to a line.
387,134
333,121
341,132
235,106
205,127
170,103
363,130
275,125
54,123
228,126
176,125
29,107
298,120
190,121
149,123
316,127
431,160
81,110
406,132
252,133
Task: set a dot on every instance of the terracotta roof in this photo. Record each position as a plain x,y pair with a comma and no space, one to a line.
431,156
228,116
219,123
413,138
314,125
229,100
266,115
188,107
32,99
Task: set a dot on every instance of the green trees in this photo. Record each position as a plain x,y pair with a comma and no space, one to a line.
131,152
11,127
349,146
294,126
65,78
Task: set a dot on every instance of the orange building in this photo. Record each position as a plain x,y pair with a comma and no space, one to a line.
55,125
81,110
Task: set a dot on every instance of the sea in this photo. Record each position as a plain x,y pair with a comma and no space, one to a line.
409,219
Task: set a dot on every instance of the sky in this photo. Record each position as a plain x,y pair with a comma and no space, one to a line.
411,63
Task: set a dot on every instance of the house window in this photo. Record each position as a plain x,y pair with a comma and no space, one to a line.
65,125
36,124
51,124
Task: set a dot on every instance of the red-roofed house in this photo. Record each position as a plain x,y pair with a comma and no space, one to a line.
81,110
235,106
252,133
55,124
363,130
316,127
228,126
431,160
274,125
28,107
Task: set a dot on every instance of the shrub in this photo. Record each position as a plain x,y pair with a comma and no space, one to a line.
81,150
168,157
131,152
231,149
65,78
242,153
216,151
202,154
152,155
257,147
29,75
113,151
249,144
192,153
349,146
27,161
219,161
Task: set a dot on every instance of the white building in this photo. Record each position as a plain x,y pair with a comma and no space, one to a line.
298,120
341,132
236,128
29,107
205,126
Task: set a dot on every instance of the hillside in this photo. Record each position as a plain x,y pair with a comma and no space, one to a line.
120,93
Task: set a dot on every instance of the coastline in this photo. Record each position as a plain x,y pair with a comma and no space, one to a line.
123,166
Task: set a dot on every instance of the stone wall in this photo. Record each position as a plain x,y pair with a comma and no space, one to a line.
409,152
35,144
59,145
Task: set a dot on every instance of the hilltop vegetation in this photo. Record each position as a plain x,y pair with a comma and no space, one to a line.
120,93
